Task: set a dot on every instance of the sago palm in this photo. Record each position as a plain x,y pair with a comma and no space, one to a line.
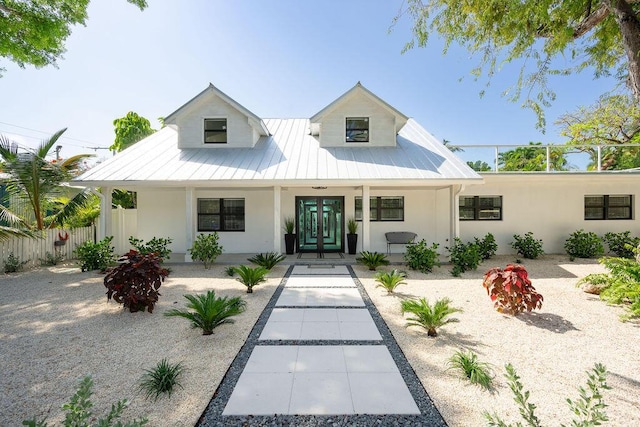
372,260
251,277
427,316
391,280
208,311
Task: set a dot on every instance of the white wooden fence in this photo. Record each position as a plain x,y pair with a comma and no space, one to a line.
34,250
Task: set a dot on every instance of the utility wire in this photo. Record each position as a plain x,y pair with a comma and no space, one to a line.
93,147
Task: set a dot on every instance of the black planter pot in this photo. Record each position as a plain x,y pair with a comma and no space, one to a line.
290,243
352,242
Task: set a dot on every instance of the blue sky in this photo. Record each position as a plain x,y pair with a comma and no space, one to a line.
278,58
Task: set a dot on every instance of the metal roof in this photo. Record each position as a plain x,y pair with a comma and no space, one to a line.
289,156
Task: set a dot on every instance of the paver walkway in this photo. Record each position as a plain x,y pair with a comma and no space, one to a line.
321,353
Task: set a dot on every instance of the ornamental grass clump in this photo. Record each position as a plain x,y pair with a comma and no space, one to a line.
207,311
475,371
135,281
161,379
427,316
390,280
251,277
511,290
372,260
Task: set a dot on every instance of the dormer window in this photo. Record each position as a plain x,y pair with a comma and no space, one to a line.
215,131
357,129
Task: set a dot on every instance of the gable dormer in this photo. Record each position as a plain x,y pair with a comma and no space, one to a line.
214,120
358,118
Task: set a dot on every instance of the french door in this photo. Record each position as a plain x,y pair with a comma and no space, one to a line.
320,222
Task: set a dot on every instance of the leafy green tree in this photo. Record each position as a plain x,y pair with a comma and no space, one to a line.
129,130
532,159
603,35
611,121
35,181
34,32
480,166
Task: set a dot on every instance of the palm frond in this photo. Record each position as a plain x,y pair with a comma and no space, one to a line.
71,208
208,311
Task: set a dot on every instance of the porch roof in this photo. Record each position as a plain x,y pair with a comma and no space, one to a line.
289,156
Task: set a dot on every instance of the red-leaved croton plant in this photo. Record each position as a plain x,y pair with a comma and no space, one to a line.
511,290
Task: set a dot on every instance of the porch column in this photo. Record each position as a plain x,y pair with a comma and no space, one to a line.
189,228
454,193
277,215
366,219
106,228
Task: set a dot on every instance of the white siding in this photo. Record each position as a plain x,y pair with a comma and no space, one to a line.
190,124
382,126
550,206
161,213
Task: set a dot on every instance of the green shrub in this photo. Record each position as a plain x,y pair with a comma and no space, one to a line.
135,281
96,256
251,277
511,290
208,311
231,271
589,407
206,249
477,372
157,245
78,411
583,244
161,379
52,258
621,285
267,260
487,246
427,316
621,244
391,280
372,260
421,257
464,256
13,264
527,246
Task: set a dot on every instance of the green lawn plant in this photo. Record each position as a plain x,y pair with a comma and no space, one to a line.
477,372
390,280
208,311
511,290
583,244
267,260
161,379
251,277
135,281
372,260
230,271
427,316
78,411
157,245
464,256
487,246
206,249
588,408
621,244
96,256
527,246
419,256
13,264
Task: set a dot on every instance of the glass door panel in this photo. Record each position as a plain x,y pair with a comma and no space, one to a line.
320,224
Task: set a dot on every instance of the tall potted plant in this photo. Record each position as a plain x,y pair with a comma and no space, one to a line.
289,234
352,236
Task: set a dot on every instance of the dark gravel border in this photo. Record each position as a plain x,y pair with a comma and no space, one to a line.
212,416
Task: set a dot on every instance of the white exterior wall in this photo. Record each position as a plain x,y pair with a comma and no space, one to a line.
161,213
382,125
550,206
191,124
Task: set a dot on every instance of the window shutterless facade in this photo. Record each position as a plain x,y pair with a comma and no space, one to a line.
357,129
480,208
382,208
220,214
603,207
215,131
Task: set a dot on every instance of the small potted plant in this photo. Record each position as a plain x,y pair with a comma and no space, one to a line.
289,234
352,237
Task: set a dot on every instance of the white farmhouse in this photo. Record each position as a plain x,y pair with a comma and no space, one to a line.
216,166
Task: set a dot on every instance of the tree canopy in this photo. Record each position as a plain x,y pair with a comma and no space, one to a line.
613,120
35,32
603,35
532,158
129,130
480,166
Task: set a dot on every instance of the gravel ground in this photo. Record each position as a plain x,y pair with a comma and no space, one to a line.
56,326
